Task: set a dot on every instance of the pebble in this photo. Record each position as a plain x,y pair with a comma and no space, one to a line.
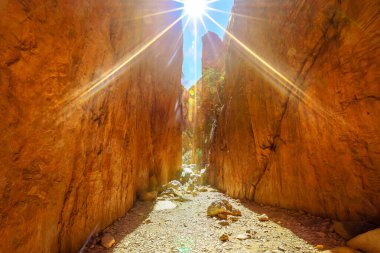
107,241
243,237
222,216
224,237
234,219
224,223
319,247
263,217
147,221
202,189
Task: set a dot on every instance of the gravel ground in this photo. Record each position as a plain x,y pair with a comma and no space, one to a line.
154,227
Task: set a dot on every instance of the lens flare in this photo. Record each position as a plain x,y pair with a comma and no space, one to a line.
195,8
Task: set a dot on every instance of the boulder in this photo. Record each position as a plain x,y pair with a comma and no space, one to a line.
218,207
341,250
368,242
221,209
175,184
350,229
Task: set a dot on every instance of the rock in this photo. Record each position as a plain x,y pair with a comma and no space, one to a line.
172,184
235,212
171,192
202,189
148,196
222,216
147,221
348,230
224,237
233,218
263,217
251,232
181,199
107,241
219,207
368,242
243,236
319,247
341,250
164,205
224,223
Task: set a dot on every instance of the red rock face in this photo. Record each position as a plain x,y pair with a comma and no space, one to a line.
74,151
212,52
209,95
314,147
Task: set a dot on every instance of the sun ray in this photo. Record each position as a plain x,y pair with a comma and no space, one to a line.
234,14
284,81
162,12
179,38
103,81
195,47
195,68
203,23
212,1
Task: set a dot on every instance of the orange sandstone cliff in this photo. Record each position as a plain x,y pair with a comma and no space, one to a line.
306,137
76,145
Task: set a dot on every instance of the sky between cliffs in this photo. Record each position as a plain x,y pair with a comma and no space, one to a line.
190,39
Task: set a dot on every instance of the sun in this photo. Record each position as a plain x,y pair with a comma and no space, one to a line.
195,8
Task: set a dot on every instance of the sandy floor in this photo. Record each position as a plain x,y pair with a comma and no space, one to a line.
149,227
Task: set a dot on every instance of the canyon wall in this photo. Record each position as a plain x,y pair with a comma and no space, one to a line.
300,125
77,144
209,93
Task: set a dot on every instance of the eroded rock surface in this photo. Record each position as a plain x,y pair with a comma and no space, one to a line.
209,95
75,145
306,137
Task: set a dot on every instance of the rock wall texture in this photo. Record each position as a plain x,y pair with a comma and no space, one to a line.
212,52
209,95
187,124
76,147
313,146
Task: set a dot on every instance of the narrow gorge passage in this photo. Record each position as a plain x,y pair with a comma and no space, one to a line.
172,226
217,126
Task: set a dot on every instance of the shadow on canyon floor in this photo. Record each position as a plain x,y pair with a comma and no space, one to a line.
314,230
186,228
126,225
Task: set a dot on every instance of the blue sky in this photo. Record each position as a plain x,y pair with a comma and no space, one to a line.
189,77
